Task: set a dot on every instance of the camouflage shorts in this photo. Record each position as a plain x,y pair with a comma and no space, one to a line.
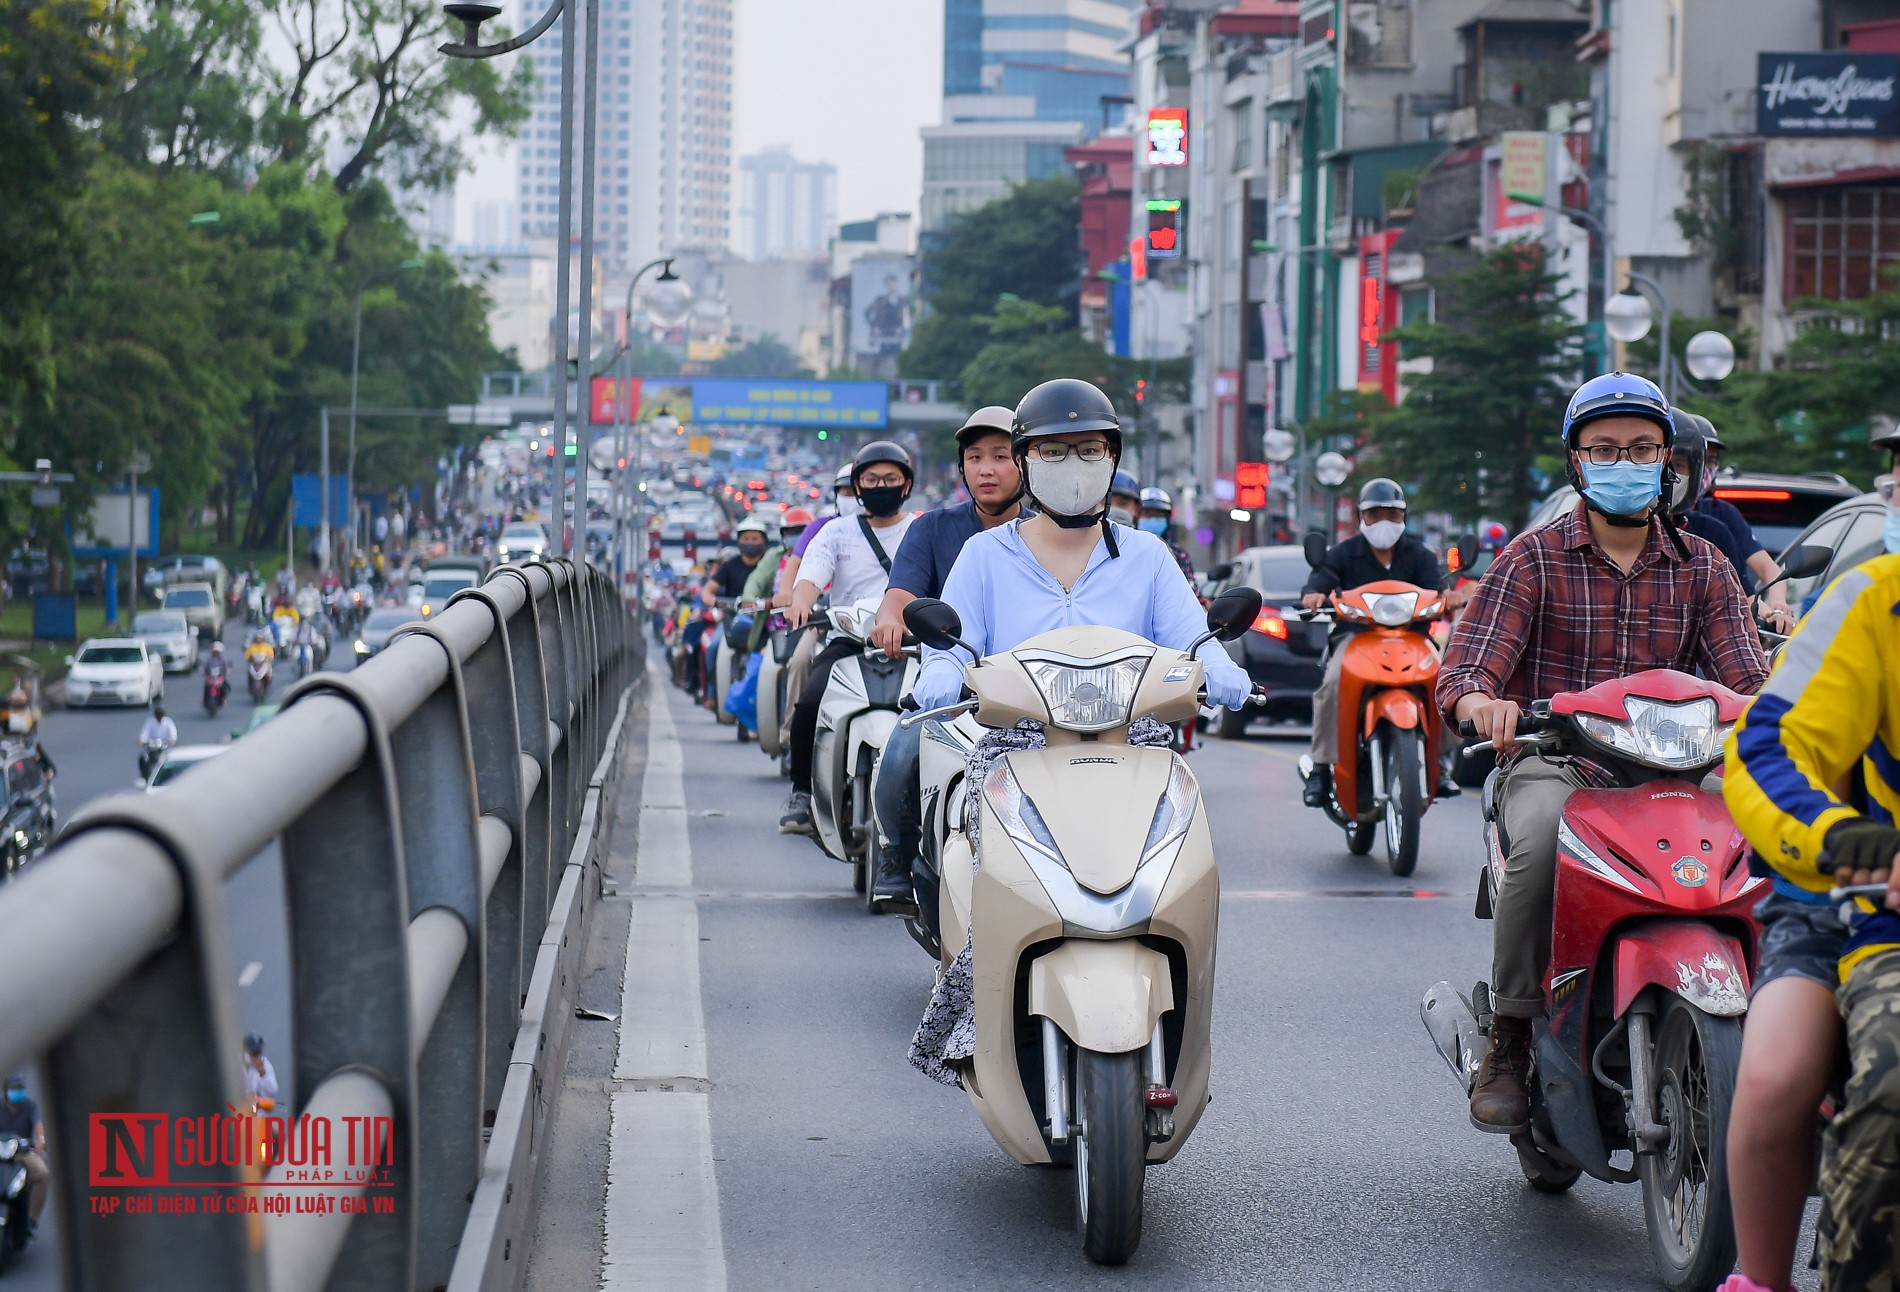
1860,1161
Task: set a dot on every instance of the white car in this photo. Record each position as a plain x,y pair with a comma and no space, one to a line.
166,633
522,541
178,760
113,670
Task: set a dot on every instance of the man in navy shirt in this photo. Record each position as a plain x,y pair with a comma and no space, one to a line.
921,565
1719,521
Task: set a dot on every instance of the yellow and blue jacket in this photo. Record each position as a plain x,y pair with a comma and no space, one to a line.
1832,702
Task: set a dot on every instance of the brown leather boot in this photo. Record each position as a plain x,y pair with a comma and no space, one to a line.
1500,1103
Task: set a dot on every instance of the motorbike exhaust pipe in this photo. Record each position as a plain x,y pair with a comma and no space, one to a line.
1454,1031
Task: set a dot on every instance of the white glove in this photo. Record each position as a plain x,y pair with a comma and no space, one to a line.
1227,683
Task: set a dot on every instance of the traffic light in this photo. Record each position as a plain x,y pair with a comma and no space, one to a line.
824,435
1141,389
573,450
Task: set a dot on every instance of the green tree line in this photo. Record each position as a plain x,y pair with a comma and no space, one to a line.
186,227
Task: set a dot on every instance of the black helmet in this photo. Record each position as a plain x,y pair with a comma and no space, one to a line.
17,1081
253,1043
985,421
882,451
1063,405
1381,493
1694,434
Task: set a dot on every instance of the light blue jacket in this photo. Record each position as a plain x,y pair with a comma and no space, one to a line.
1005,597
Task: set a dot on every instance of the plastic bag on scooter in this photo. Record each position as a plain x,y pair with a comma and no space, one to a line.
742,697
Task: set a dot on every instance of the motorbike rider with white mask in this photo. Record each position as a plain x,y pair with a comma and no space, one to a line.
1380,550
852,559
1069,564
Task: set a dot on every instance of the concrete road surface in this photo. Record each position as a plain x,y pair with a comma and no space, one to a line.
1336,1153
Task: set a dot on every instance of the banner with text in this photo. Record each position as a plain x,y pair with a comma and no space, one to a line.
739,401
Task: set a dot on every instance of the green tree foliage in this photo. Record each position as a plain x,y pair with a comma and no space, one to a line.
1503,361
1024,245
57,61
1813,412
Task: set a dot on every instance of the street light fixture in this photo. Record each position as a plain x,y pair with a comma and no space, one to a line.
1710,356
668,303
1331,469
1628,317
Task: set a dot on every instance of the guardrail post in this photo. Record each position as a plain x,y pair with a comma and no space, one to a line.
525,640
349,914
495,730
163,1046
435,780
552,622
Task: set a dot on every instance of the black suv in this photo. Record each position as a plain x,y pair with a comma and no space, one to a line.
1280,652
30,816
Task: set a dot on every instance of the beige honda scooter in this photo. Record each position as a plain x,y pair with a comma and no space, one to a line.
1091,909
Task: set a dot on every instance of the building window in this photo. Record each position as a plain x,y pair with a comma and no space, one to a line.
1242,117
1839,241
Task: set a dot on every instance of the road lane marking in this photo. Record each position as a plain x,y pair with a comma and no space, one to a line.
662,1207
250,973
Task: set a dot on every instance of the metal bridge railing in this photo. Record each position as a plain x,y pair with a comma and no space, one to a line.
439,813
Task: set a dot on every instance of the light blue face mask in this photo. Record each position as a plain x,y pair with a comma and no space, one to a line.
1622,488
1891,535
1156,525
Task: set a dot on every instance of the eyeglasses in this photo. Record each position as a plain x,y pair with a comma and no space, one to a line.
1603,455
1058,450
880,482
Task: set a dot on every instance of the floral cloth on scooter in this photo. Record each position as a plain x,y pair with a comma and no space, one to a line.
947,1035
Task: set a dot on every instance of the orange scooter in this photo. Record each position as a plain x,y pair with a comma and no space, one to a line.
1388,725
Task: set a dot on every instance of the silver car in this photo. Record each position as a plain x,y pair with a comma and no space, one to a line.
167,635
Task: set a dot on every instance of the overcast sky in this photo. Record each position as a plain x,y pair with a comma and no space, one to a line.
844,81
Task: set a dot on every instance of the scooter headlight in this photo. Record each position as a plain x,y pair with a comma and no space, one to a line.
1087,697
1173,814
1671,737
1392,609
9,1147
1017,813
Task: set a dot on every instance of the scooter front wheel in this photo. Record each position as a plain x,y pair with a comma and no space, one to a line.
1404,798
1685,1181
1111,1153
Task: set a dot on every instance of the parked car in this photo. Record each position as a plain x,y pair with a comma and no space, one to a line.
521,541
203,610
1777,507
178,760
113,670
1852,530
1280,652
30,821
167,633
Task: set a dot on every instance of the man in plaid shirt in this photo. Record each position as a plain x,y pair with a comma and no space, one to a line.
1601,593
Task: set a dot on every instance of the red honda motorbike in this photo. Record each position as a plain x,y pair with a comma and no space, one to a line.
1652,948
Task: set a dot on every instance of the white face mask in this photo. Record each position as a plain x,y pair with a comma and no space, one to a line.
1383,534
1070,487
849,506
1122,516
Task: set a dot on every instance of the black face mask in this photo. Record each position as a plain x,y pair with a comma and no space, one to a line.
882,500
752,551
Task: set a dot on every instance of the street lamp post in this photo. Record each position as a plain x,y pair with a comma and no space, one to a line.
1626,316
668,310
356,365
1331,470
472,16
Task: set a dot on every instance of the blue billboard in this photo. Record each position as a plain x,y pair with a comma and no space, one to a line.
306,501
830,404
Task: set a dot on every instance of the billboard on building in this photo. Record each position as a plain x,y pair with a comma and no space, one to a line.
1834,93
880,305
744,401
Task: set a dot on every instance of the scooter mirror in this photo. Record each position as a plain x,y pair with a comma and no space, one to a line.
1805,561
933,622
1222,572
1314,545
1233,612
1467,549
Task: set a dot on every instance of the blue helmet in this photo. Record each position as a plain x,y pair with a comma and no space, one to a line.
1617,394
1124,485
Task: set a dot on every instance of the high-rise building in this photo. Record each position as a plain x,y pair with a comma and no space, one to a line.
662,179
1022,80
786,206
